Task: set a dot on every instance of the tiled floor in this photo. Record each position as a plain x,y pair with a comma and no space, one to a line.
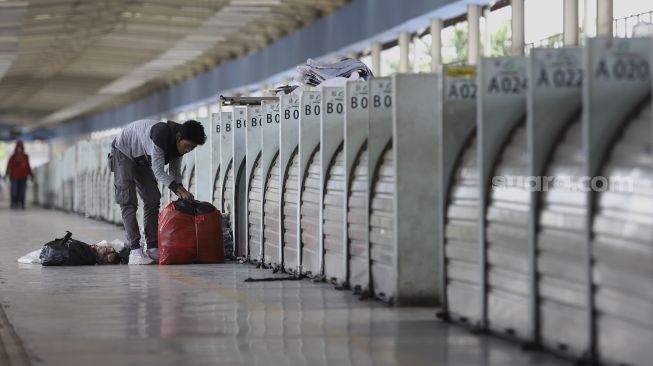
207,315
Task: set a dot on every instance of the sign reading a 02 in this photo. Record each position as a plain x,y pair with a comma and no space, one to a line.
460,89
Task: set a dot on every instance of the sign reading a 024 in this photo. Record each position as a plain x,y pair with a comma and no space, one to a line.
506,76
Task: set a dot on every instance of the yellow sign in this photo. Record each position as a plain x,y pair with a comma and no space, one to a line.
461,71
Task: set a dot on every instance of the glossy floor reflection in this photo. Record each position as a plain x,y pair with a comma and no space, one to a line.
207,314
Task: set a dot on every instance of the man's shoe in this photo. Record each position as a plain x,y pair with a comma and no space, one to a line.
153,253
136,256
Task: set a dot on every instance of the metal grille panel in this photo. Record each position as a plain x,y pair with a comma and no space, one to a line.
507,240
310,216
290,192
382,246
461,239
254,206
357,223
334,216
217,189
271,203
623,249
561,249
228,189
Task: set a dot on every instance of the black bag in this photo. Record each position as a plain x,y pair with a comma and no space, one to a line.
67,252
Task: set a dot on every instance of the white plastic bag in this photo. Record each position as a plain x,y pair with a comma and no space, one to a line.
31,257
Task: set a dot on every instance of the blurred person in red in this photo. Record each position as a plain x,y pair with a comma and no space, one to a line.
18,169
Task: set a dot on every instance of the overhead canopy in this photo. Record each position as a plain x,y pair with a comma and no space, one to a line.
63,58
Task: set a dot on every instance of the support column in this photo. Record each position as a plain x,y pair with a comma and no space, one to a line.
376,58
404,45
604,18
518,43
436,45
474,33
570,32
487,38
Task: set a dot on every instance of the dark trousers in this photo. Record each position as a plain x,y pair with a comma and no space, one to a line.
18,188
129,179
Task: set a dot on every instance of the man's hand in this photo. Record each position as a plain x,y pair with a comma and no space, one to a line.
184,194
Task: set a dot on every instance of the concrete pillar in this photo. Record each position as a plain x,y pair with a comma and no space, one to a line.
436,45
570,29
404,45
487,37
415,64
604,18
474,33
376,58
518,43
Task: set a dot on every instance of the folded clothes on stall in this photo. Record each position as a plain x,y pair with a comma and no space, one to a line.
315,72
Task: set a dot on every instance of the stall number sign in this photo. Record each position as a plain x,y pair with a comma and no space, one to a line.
241,120
505,77
227,124
272,114
620,62
217,125
313,108
292,109
256,119
558,69
359,98
335,102
382,97
460,83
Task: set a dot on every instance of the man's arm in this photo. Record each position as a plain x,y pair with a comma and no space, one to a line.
158,167
175,169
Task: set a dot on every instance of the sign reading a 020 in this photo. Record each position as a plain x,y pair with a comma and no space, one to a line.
621,60
558,68
460,83
506,76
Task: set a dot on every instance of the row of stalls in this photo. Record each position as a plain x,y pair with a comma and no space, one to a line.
517,194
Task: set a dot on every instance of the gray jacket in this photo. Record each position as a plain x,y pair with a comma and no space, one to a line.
152,143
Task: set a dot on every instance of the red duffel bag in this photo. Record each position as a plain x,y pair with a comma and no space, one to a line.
190,232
